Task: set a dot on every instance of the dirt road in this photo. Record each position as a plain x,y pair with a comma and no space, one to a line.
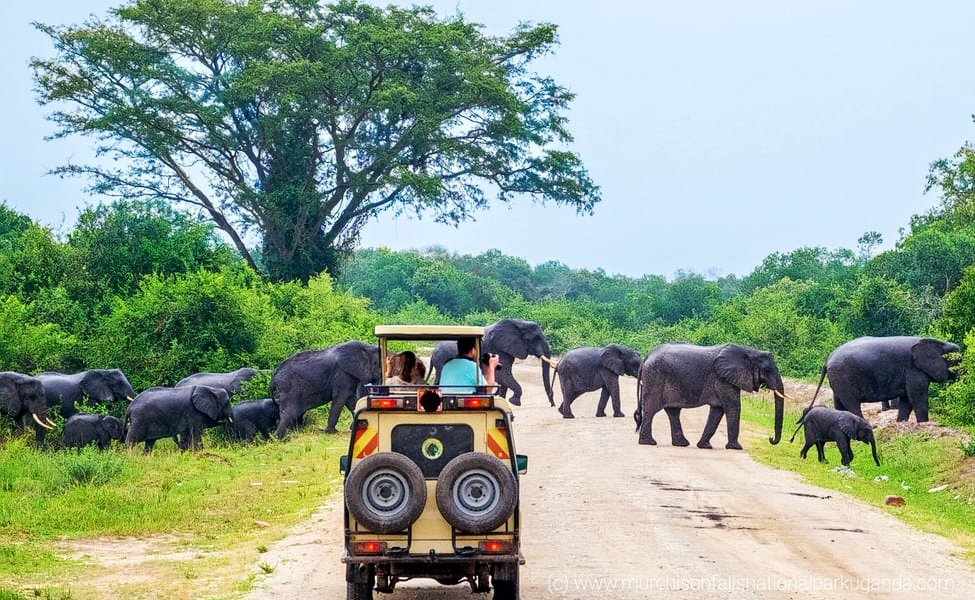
607,518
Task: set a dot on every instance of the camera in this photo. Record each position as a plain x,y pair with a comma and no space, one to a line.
486,358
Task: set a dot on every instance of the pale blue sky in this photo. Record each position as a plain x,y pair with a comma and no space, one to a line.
720,132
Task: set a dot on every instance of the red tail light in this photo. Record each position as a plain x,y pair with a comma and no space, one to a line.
495,546
371,547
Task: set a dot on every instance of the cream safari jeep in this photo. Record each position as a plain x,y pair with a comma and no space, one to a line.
431,494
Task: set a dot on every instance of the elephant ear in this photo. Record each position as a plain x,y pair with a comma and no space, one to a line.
927,356
9,397
94,386
113,426
734,365
205,400
850,425
509,336
361,361
612,358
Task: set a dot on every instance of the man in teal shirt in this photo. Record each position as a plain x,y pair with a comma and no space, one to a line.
460,375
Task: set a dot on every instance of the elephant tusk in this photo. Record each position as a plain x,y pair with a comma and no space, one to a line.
784,395
41,423
554,363
129,398
50,422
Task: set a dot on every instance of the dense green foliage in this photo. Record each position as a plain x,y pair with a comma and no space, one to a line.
302,121
159,295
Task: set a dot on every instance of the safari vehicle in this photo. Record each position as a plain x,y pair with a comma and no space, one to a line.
431,491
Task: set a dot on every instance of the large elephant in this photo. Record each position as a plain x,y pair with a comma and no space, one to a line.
163,412
877,369
509,339
677,375
82,429
251,418
821,425
65,391
232,381
587,369
22,395
337,374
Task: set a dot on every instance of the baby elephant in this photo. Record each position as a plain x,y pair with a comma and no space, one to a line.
82,429
251,418
823,425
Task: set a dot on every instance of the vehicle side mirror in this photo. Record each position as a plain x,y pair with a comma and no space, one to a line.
344,464
522,461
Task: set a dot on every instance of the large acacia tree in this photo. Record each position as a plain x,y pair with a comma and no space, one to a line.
299,122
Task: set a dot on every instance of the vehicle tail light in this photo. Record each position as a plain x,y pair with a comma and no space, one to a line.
495,546
475,402
369,547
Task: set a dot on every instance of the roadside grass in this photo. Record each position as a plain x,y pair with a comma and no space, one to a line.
216,511
913,466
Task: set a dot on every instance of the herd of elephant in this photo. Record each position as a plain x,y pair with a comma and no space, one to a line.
672,377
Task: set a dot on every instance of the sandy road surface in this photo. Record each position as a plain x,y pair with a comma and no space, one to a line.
607,518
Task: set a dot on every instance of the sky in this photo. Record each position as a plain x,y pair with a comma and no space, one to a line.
719,132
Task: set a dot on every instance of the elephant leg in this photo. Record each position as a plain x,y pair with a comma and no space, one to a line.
568,397
515,391
904,409
846,453
885,405
611,390
821,450
676,432
733,418
646,425
286,421
334,413
805,449
603,400
147,447
714,417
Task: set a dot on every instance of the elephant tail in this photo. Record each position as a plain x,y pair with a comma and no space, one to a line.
822,377
555,372
802,419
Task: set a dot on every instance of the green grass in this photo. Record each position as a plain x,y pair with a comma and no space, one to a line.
910,466
208,502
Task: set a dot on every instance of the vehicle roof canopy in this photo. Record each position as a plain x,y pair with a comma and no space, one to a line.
427,332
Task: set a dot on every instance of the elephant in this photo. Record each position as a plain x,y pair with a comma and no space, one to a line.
587,369
251,418
875,369
232,381
162,412
821,424
82,429
679,375
509,339
22,395
337,374
103,385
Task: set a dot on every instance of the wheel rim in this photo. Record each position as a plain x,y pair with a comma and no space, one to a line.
476,492
385,492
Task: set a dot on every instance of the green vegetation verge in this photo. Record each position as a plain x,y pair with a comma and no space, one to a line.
191,522
912,465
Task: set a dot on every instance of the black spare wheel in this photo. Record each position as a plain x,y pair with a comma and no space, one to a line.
476,492
385,492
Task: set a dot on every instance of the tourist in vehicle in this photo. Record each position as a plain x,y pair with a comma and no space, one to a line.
462,374
402,369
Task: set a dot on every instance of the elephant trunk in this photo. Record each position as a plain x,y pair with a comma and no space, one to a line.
779,409
545,379
873,448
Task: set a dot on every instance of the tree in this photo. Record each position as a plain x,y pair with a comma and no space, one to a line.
304,121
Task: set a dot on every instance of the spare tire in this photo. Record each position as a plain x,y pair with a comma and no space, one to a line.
476,493
385,492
